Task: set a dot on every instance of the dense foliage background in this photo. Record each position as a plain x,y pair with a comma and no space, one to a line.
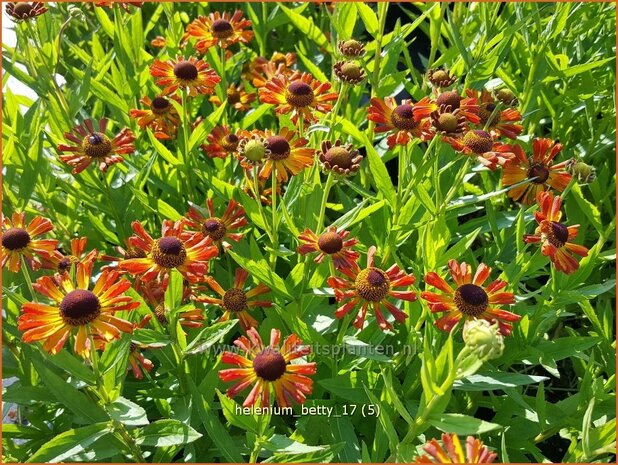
550,397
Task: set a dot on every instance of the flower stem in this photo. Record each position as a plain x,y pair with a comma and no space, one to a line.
223,83
338,104
27,278
254,184
456,184
185,134
327,188
275,239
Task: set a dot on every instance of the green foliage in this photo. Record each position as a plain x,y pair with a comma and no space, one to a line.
549,397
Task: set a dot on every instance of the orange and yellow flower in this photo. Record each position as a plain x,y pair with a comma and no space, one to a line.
77,255
76,309
187,252
93,145
159,115
262,70
236,302
192,74
330,243
481,145
406,121
555,237
218,229
268,368
222,142
539,169
19,240
470,299
237,98
499,122
286,153
219,29
299,94
451,451
372,286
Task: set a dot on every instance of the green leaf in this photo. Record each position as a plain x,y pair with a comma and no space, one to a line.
99,226
163,150
369,18
164,433
215,430
127,412
286,450
173,294
344,19
209,336
307,27
491,381
150,338
230,410
67,395
380,175
461,424
66,445
262,271
73,366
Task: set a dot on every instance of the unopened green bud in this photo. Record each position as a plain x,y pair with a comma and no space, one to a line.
483,339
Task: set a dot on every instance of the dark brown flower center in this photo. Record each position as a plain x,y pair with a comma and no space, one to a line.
372,284
538,171
160,105
66,262
330,242
450,98
279,147
214,228
222,29
169,252
230,142
299,94
471,300
80,307
235,300
478,141
269,365
185,70
97,145
403,117
15,238
558,235
233,95
22,9
338,156
486,110
447,122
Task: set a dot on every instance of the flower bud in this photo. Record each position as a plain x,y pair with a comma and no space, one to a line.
483,339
